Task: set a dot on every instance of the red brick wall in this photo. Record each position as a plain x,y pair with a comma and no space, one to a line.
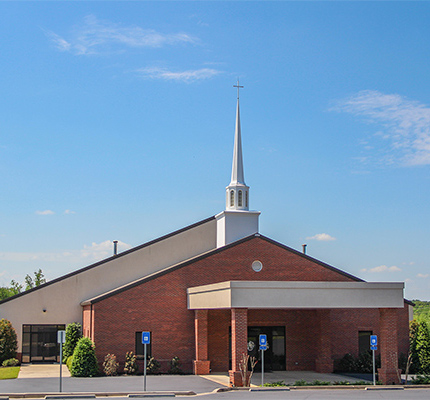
160,306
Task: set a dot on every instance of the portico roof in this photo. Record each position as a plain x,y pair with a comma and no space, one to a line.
296,294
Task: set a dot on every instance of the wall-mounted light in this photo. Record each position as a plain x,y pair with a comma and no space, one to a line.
44,310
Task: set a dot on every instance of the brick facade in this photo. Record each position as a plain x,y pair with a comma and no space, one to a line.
313,338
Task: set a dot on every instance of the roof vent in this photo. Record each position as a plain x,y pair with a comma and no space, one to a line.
115,247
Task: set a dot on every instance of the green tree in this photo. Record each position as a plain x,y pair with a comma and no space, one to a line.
5,292
423,348
84,362
15,287
8,342
73,334
39,278
413,332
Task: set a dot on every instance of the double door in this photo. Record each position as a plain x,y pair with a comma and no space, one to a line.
274,356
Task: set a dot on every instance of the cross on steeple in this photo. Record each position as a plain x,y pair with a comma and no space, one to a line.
238,87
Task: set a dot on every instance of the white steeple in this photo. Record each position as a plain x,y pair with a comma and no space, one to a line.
236,222
237,193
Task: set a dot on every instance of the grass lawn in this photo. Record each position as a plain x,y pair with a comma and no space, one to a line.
9,372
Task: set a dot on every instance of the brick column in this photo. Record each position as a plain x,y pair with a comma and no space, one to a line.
324,362
201,364
239,342
387,342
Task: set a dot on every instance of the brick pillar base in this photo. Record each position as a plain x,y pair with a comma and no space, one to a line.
388,377
236,378
201,367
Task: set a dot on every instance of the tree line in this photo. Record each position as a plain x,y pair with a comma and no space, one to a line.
29,283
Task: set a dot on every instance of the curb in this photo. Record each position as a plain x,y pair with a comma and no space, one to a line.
69,395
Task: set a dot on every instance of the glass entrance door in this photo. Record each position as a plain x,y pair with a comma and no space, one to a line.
274,356
39,343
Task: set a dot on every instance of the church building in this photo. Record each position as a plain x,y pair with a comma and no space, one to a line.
207,291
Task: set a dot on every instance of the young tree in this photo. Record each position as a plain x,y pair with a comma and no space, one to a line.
39,278
73,334
8,342
413,332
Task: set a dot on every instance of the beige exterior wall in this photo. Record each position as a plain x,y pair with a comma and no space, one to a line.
61,300
279,294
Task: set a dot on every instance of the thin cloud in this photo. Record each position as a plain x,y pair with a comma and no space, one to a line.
45,212
382,268
324,237
189,76
404,124
89,253
98,251
96,36
423,276
69,212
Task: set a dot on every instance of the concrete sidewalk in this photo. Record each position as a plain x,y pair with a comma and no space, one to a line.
43,371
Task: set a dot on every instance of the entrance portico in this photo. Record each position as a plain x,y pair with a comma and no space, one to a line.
325,303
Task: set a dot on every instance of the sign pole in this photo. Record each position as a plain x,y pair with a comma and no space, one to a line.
144,368
61,339
146,339
373,347
262,367
61,366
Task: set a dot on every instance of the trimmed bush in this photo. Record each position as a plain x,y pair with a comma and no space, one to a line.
11,362
110,365
130,367
73,334
8,342
153,366
84,362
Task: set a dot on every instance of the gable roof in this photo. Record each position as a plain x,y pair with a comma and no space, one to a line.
106,260
210,253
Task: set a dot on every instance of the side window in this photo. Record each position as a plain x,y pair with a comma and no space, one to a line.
139,351
231,198
246,199
239,199
364,341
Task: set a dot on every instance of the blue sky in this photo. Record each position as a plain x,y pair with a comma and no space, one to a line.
117,123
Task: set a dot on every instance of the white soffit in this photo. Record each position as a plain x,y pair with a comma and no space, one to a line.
274,294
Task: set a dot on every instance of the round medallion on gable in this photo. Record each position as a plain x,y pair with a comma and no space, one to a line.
257,266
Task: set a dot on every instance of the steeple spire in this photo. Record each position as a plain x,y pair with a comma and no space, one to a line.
237,191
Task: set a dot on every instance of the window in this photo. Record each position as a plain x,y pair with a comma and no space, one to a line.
364,341
246,199
139,347
231,198
239,198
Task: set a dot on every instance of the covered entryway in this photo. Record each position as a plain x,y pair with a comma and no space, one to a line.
328,304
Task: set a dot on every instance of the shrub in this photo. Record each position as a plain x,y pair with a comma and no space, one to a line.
130,367
301,382
154,366
175,366
8,342
11,362
110,365
84,362
73,334
347,363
